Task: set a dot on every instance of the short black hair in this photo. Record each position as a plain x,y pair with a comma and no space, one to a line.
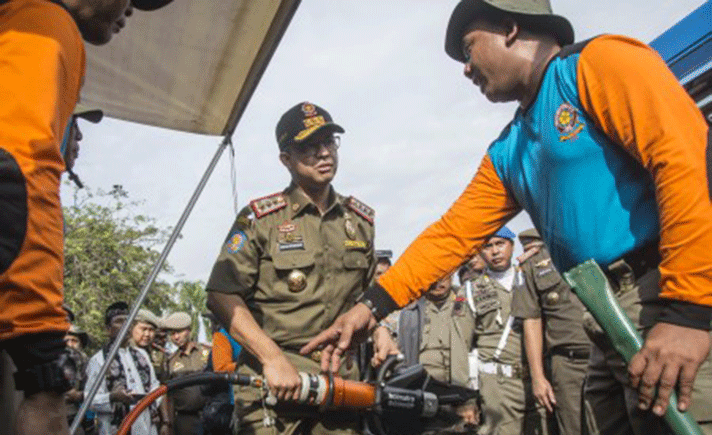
383,260
115,309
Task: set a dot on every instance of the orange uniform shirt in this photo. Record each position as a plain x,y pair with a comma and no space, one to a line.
628,93
42,62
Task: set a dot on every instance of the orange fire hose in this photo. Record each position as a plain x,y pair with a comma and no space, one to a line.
326,391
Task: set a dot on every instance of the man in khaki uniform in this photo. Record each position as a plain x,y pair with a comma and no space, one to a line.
508,406
191,357
547,303
292,262
438,331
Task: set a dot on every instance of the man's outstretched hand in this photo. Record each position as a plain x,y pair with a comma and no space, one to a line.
335,340
671,355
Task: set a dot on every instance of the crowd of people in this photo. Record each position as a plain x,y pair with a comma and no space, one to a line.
155,350
605,138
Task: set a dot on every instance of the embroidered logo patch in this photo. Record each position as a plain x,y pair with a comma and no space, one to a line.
236,242
567,122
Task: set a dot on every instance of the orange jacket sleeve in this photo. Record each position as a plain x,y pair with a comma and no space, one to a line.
631,95
482,209
222,354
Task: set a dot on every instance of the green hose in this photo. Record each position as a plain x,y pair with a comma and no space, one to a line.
591,286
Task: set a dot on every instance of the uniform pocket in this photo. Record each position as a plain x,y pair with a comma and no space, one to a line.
486,301
355,260
546,277
294,270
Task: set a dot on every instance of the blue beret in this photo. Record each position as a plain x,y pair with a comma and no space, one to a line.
505,233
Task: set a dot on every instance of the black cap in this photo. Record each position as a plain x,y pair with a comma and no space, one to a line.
91,115
149,5
302,121
384,253
533,13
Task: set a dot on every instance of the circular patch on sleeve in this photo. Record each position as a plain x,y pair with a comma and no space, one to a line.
235,242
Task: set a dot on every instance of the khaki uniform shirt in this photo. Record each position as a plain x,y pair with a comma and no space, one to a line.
544,294
296,269
492,309
180,364
447,337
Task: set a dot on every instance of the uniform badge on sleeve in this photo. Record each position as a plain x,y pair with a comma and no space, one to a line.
568,122
235,242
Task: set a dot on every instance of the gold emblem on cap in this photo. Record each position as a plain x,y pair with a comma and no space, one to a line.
308,109
350,229
295,207
296,281
552,297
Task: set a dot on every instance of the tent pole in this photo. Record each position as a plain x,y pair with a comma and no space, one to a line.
144,292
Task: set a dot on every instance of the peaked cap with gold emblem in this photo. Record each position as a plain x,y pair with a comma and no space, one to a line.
302,121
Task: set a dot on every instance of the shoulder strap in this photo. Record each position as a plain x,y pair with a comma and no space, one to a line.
503,338
268,204
361,209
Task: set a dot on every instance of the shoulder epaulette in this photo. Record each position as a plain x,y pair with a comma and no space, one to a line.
361,209
268,204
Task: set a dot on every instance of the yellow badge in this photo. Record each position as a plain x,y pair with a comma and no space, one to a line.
296,281
177,366
358,244
350,229
543,263
295,207
552,298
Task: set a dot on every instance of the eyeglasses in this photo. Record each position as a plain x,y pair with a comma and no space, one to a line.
313,147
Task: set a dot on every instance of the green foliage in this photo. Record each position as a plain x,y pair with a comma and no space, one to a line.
109,254
192,299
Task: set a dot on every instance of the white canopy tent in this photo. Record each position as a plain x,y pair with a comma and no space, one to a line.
191,66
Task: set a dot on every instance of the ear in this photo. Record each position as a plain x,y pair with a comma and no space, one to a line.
286,159
512,30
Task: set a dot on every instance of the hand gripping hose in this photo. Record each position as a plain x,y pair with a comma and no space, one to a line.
410,394
591,286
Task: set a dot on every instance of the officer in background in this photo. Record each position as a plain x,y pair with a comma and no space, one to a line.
190,358
508,407
548,304
292,262
471,269
160,352
383,262
438,331
76,341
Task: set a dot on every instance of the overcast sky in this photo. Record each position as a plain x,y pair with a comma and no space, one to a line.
416,129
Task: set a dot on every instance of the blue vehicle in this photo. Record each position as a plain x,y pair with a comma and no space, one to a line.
687,49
